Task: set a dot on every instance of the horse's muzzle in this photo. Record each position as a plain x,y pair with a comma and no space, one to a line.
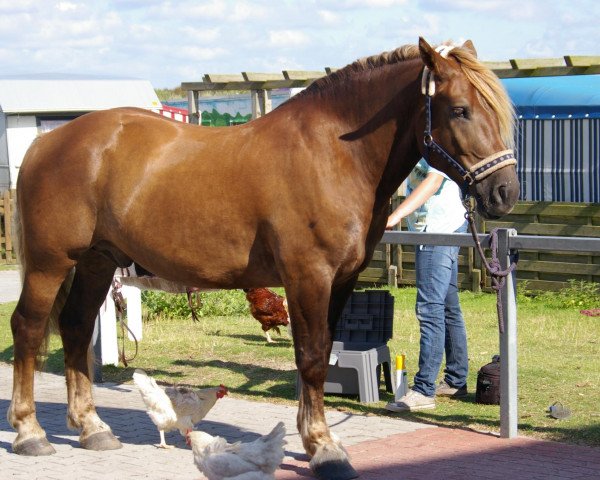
497,194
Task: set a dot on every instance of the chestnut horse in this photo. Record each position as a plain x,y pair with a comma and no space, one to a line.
298,198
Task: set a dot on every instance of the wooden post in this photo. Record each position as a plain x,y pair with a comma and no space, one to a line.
261,103
194,114
106,333
133,297
8,216
393,276
476,280
388,255
255,101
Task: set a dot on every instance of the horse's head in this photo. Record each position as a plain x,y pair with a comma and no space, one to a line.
469,126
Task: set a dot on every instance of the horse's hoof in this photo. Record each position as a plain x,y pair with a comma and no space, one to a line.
101,441
34,447
335,470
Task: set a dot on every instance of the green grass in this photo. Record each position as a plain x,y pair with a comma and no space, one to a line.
558,359
8,266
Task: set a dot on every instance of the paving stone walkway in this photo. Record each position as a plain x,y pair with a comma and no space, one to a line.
380,447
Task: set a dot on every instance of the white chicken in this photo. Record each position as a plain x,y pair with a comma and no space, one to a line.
175,407
257,460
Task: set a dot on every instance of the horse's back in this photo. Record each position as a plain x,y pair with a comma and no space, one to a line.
214,201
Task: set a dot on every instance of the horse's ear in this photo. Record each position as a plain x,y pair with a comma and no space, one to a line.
468,45
428,54
433,60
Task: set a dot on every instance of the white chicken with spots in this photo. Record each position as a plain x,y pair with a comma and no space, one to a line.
175,407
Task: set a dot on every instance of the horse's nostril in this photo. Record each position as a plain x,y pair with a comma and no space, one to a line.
503,193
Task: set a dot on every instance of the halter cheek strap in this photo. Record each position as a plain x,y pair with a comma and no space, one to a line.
427,83
476,172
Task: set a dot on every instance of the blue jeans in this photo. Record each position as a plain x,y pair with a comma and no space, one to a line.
440,317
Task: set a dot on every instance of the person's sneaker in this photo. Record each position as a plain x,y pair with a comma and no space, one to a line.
410,402
445,390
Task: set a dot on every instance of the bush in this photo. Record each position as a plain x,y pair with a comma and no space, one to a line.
217,303
579,295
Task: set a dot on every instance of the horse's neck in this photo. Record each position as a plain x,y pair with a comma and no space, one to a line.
384,106
380,108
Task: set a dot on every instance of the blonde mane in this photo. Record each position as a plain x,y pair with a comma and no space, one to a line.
487,84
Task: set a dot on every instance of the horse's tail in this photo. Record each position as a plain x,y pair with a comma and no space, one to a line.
61,297
18,239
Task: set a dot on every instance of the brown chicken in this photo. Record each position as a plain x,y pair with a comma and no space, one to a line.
269,308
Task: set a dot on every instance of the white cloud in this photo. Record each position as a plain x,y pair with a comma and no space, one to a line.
199,34
374,3
517,10
243,11
214,9
10,6
538,48
288,38
66,6
329,17
193,53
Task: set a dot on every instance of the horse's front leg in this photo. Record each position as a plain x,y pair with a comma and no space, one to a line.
91,283
309,303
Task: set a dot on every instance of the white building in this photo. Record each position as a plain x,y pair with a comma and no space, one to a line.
33,104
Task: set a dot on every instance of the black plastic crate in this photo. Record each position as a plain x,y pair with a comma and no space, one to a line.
368,317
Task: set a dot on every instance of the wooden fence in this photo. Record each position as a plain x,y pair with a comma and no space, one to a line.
535,270
7,252
549,270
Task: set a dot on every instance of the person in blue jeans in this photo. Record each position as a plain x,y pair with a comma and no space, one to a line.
433,204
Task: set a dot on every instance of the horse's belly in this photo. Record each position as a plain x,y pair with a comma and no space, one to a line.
202,259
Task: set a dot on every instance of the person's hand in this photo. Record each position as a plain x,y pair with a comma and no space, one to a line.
391,223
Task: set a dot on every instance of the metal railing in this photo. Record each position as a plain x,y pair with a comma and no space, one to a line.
508,243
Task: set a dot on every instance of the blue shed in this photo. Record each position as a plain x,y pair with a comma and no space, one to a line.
558,140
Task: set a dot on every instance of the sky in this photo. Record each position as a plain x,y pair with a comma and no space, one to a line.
169,42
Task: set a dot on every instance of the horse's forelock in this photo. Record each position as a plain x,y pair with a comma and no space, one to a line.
490,89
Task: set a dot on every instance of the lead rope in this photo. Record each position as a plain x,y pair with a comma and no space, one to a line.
497,275
120,307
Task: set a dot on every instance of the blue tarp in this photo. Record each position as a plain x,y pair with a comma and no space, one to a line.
569,96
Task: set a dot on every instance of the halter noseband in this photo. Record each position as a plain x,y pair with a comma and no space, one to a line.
476,172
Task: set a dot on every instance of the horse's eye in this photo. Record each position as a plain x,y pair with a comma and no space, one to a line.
459,112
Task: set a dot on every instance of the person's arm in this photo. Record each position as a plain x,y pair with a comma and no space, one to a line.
418,197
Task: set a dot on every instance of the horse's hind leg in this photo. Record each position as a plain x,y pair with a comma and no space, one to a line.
93,276
29,326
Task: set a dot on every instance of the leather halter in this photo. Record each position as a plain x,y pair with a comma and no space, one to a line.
476,172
